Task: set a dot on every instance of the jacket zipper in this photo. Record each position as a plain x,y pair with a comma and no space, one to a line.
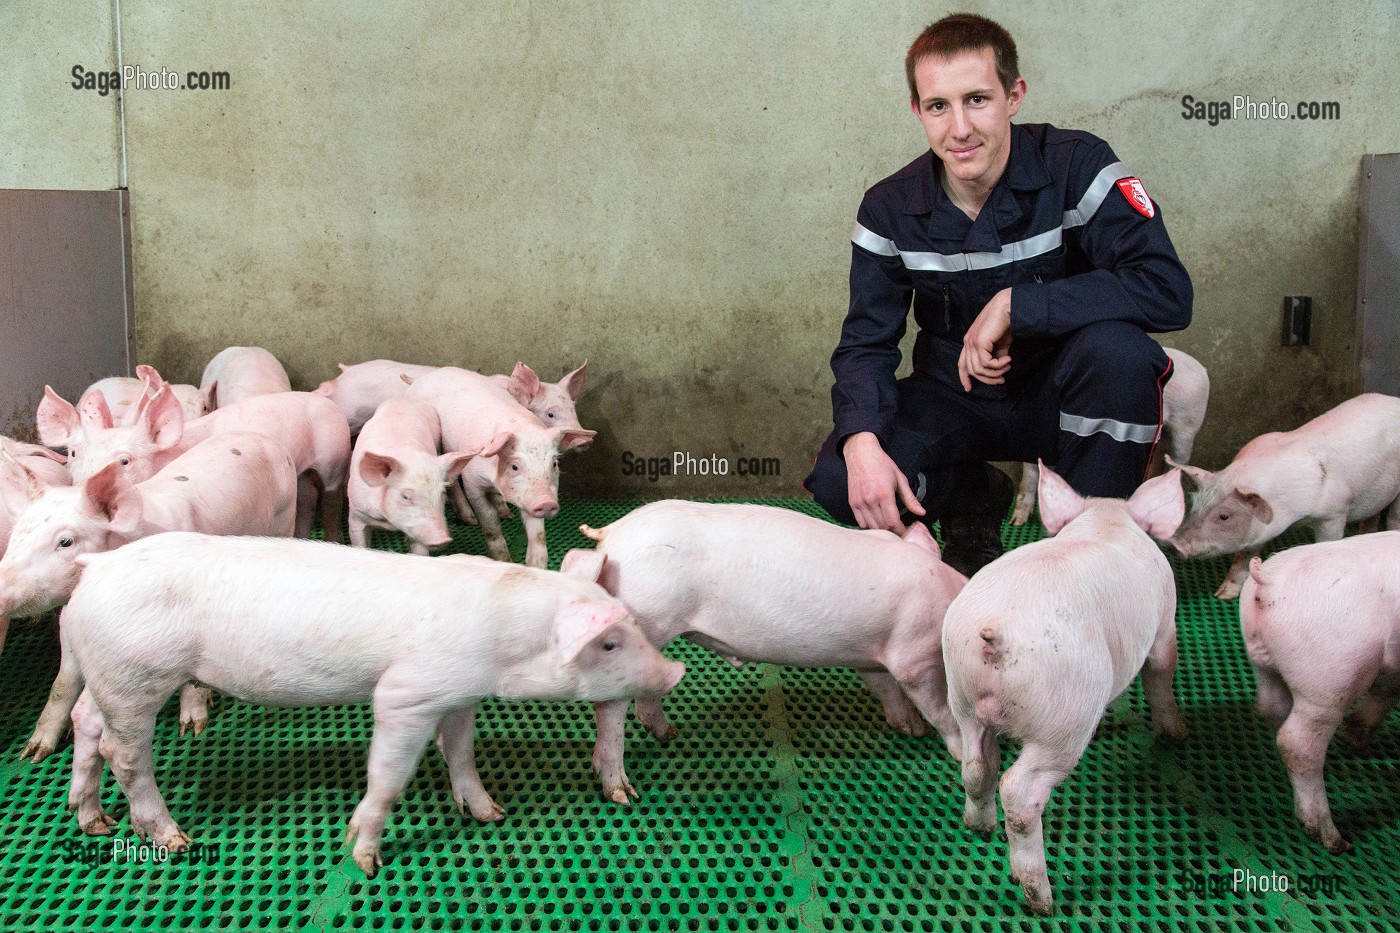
947,310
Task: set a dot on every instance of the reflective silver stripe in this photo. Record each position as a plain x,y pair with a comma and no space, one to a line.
1118,430
1098,190
873,242
923,487
1037,245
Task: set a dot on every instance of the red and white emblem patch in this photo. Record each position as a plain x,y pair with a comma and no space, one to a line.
1136,195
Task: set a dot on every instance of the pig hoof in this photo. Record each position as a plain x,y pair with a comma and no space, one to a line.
485,811
1229,590
194,724
915,727
623,793
1038,904
369,861
100,825
175,842
37,749
1173,727
1020,516
666,733
1338,846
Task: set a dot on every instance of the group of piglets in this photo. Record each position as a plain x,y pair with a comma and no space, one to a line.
166,534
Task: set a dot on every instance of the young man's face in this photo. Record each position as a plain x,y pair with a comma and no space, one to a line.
967,115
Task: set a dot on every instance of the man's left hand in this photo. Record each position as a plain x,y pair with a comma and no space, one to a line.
984,354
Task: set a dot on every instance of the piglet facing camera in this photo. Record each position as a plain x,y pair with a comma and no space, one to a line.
1044,638
301,623
1320,624
758,583
1343,466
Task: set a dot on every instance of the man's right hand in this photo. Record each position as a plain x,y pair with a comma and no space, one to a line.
873,482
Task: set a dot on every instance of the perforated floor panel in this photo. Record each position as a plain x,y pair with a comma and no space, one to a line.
786,803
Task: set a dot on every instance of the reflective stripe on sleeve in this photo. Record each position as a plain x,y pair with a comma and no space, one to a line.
873,242
1093,198
1118,430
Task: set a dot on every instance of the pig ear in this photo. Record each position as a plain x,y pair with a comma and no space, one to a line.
523,385
573,382
1196,475
342,367
918,535
109,497
28,483
326,388
582,623
584,563
1059,503
569,438
209,395
408,380
137,409
57,420
375,469
503,441
452,464
1256,504
1159,505
94,412
150,379
163,419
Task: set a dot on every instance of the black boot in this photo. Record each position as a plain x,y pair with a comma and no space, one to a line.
971,524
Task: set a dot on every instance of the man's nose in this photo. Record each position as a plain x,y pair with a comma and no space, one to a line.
962,127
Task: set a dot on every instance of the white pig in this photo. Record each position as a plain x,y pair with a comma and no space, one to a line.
397,476
520,455
26,470
758,583
1321,624
238,373
299,623
190,398
359,390
238,483
1184,403
551,402
1342,466
1044,638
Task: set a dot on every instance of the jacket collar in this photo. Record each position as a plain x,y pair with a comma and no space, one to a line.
1025,171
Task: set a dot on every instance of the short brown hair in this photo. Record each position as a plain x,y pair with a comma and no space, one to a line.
964,32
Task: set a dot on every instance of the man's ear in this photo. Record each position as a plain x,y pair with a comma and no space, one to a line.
1016,96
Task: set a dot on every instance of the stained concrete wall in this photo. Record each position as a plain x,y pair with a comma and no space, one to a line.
669,192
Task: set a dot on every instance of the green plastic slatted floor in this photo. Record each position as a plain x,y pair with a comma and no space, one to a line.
786,803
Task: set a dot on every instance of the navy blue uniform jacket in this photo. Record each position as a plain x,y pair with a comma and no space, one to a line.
1056,226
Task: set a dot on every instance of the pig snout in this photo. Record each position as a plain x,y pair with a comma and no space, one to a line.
544,507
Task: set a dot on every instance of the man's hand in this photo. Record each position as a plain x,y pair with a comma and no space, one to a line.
873,481
984,355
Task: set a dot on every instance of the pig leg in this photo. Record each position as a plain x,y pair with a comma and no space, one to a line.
306,505
926,684
490,524
1157,674
401,731
126,744
85,792
1275,700
652,715
1025,790
332,507
499,501
608,751
359,531
1392,516
1303,743
536,549
194,707
54,719
900,712
1236,575
980,770
455,741
1025,494
1371,711
460,505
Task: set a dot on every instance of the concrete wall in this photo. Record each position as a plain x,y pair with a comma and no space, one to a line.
669,192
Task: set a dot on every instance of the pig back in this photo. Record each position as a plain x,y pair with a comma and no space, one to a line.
766,583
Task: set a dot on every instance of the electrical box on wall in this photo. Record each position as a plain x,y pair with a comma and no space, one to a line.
1297,320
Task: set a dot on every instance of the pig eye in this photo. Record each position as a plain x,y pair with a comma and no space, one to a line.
124,461
1223,516
609,645
550,414
515,467
65,542
407,496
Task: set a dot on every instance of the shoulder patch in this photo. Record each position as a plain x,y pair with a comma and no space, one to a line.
1136,195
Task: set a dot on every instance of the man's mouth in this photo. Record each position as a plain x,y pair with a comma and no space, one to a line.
963,152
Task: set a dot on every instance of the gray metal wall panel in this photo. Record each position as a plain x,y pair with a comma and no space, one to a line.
1378,286
65,297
